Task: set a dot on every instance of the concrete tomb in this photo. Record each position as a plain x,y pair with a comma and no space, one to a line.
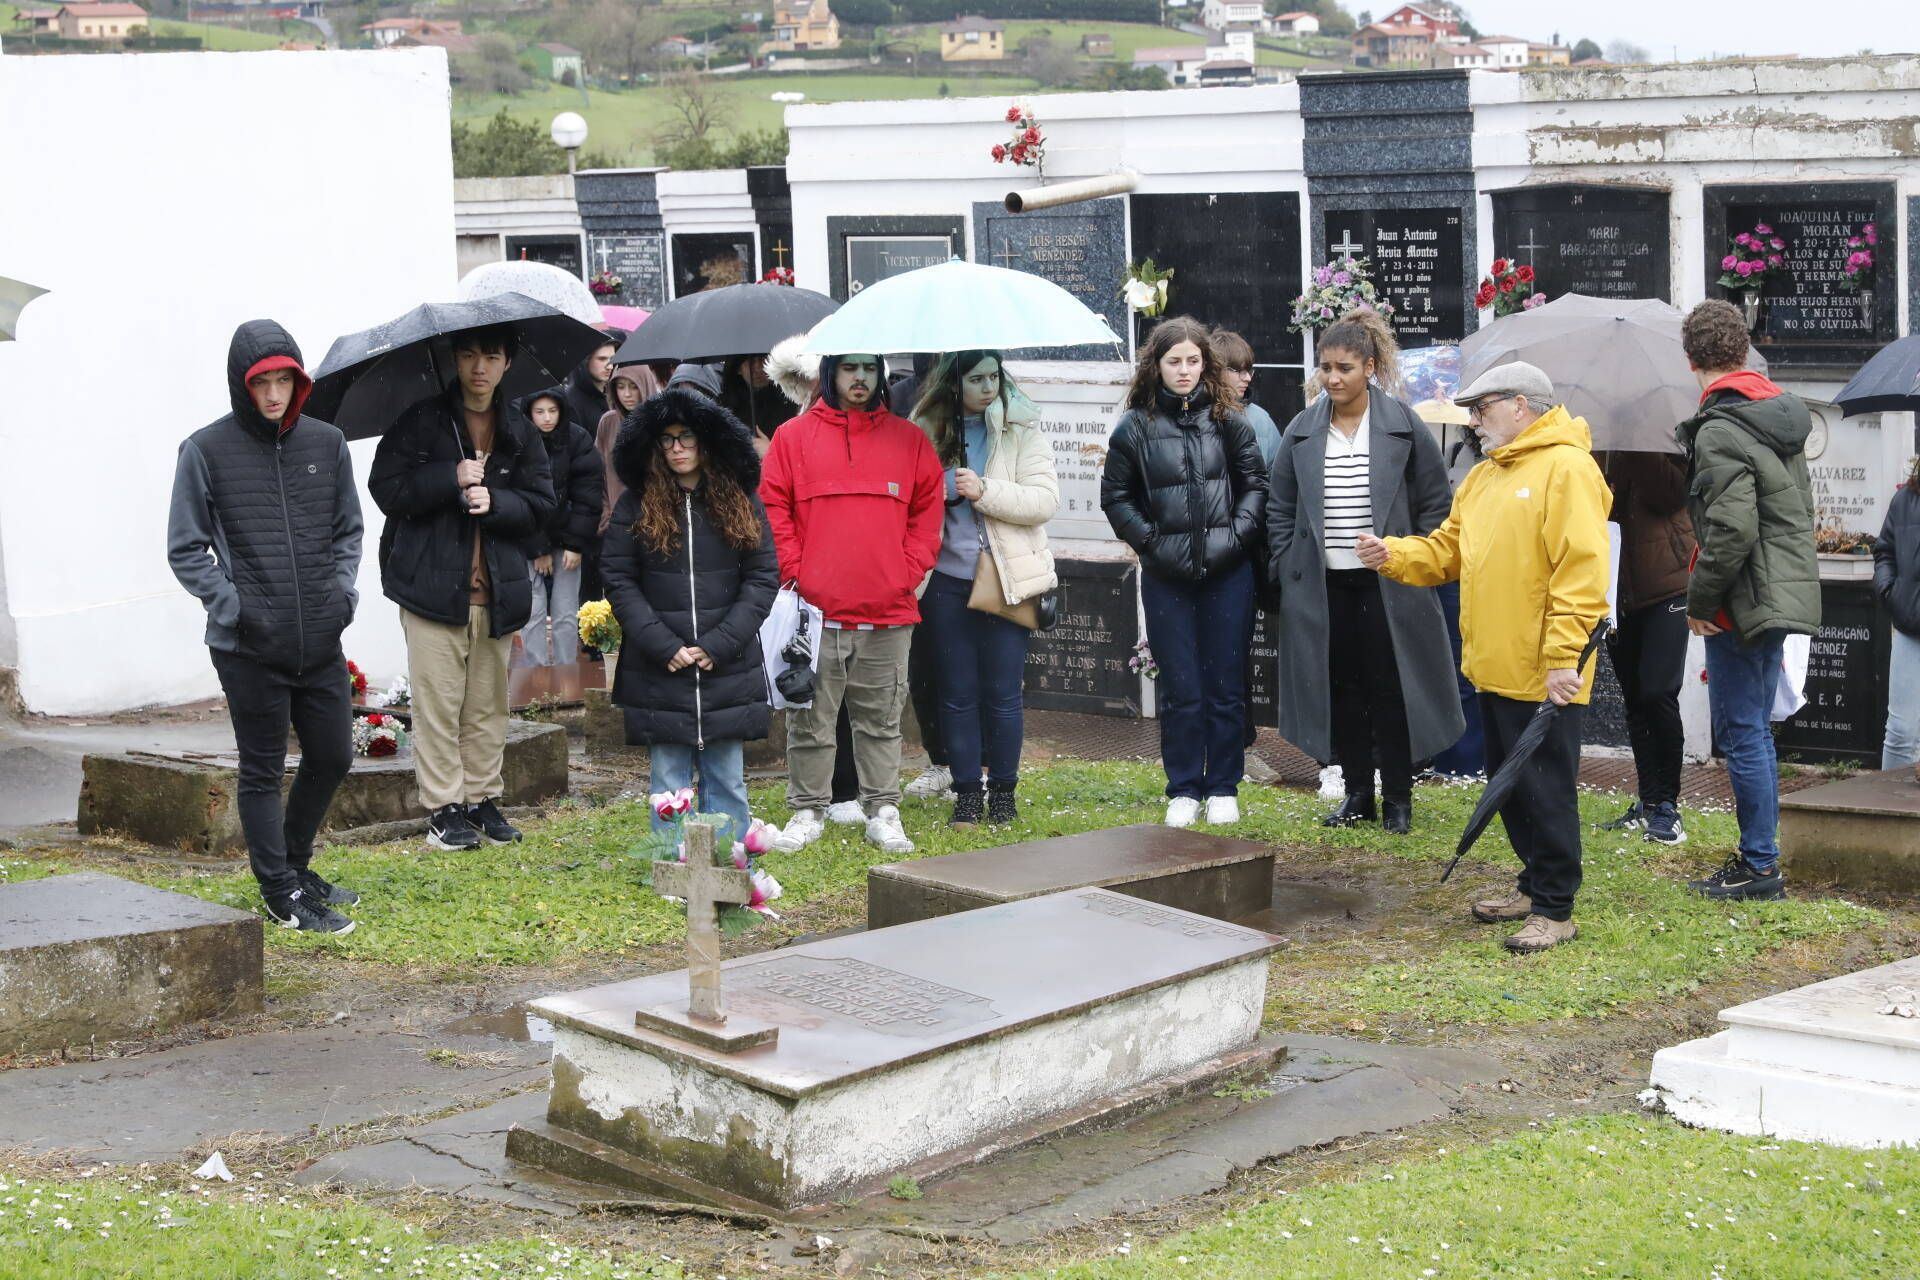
1837,1062
1862,832
187,800
910,1049
92,957
1211,875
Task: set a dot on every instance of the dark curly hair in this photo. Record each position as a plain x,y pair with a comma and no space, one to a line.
1167,335
726,502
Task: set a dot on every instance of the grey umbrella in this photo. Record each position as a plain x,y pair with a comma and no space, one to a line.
1617,363
14,296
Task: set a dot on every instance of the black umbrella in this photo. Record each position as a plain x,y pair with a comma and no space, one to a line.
739,320
370,378
1500,786
1888,383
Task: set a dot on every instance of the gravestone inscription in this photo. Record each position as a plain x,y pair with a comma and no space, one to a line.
862,251
1846,690
1603,242
1418,260
557,251
639,260
1082,248
1263,669
870,995
871,259
1081,664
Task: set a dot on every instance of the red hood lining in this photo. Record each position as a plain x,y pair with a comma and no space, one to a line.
302,385
1748,383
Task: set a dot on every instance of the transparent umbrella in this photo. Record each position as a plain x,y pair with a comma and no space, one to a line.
541,281
959,306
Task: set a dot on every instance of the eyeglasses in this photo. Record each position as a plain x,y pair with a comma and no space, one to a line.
1479,406
669,443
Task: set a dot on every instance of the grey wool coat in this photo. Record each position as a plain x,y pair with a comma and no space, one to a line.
1410,498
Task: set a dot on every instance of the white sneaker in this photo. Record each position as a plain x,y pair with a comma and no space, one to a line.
1222,810
1182,810
934,780
884,829
847,813
801,830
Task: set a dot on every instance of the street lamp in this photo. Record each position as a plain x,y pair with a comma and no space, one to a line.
569,131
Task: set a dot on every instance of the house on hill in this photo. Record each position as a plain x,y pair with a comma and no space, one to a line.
800,25
388,32
1181,63
101,21
558,62
38,21
1220,14
1297,23
1549,55
972,39
1097,44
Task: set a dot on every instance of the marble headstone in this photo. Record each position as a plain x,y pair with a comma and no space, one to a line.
1080,247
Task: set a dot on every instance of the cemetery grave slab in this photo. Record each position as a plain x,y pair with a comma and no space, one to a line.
93,957
1207,874
1862,832
1821,1063
187,800
898,1048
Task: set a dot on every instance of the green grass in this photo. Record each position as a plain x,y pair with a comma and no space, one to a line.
625,124
235,39
112,1225
1613,1197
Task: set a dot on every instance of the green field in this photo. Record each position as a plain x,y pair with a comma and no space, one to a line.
625,124
236,39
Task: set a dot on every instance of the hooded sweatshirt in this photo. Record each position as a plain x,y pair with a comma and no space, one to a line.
855,498
1751,499
265,523
1527,541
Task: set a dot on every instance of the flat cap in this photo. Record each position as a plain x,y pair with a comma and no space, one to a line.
1515,379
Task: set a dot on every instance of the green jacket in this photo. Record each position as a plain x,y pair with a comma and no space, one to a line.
1752,506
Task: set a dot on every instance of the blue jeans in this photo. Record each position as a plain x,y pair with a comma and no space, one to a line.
1902,744
1740,684
1198,632
723,781
982,662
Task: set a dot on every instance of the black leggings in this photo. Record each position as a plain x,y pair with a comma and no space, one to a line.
1369,712
1649,654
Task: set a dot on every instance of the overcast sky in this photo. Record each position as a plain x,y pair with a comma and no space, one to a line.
1702,28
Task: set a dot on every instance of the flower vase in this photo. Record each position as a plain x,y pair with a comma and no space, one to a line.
1866,303
612,660
1750,308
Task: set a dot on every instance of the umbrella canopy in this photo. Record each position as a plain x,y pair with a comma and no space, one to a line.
1888,383
369,378
14,296
714,324
1617,363
628,318
542,281
1500,786
959,306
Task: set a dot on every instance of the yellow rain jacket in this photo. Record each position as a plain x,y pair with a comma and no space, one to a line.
1527,539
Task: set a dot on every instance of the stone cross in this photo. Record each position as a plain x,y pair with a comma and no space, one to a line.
1347,248
1530,246
707,889
1006,256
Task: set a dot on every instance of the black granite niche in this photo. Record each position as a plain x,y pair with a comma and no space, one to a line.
1810,315
1081,664
1846,713
620,210
1417,259
556,251
1080,247
1586,238
772,203
712,259
867,250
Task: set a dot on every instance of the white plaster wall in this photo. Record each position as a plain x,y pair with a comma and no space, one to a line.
706,200
166,198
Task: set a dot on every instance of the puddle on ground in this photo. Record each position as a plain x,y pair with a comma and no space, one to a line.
1298,902
517,1023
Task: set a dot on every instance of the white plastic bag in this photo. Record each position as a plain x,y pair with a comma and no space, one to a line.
777,630
1789,694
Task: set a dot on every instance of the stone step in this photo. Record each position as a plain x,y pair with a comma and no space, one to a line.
1859,833
1834,1028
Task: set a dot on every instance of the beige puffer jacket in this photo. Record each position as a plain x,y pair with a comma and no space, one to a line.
1021,495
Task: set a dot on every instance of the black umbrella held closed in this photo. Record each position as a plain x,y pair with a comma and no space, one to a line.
739,320
370,378
1500,786
1888,383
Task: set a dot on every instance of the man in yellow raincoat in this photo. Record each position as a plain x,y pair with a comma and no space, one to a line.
1527,540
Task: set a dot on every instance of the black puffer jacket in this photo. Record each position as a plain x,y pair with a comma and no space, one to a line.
585,401
265,524
573,468
426,551
1185,489
702,591
1896,560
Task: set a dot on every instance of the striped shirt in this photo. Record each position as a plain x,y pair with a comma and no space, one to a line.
1348,496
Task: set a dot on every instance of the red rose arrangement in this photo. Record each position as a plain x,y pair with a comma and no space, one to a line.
1027,145
356,680
377,735
778,275
1508,289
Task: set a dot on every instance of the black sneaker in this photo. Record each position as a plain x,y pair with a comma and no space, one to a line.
1634,819
1739,882
313,886
486,816
308,915
449,828
1001,808
1663,824
967,808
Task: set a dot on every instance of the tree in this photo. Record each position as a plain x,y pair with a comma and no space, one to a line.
1334,21
862,13
698,108
760,146
1625,51
492,67
1584,49
617,40
1052,64
505,148
1111,75
1364,18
